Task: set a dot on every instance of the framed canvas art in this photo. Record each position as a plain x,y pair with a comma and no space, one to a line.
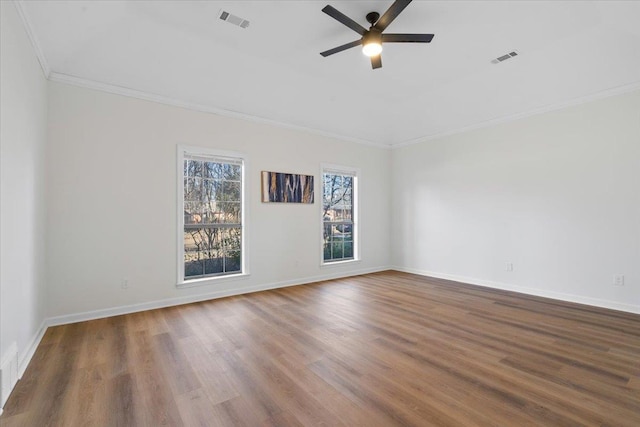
278,187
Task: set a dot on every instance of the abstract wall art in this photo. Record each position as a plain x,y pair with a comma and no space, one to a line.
281,187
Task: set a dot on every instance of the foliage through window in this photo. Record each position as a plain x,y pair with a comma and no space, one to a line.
338,194
212,195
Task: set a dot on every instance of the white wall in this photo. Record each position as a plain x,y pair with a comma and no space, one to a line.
23,126
112,200
557,195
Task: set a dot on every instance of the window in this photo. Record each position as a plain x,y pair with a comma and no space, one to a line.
211,242
339,225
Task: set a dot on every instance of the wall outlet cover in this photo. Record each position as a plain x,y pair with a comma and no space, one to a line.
618,280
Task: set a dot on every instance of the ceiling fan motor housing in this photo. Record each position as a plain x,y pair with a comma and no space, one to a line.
372,36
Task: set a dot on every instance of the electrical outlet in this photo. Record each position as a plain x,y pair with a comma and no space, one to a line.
618,280
509,266
125,283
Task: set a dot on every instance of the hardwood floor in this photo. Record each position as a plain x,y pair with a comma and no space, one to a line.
377,350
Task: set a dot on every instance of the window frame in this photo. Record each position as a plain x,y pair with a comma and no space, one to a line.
355,215
183,150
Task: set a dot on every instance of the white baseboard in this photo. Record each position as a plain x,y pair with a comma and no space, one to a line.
613,305
23,360
8,372
169,302
26,357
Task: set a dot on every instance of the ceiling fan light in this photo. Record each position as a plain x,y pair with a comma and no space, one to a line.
372,49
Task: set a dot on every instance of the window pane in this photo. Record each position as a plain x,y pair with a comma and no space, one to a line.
213,256
212,241
192,240
231,191
229,213
232,262
232,238
336,249
347,196
194,168
213,170
218,251
193,212
345,231
338,218
212,251
211,190
212,197
232,172
209,213
232,245
192,189
193,265
348,234
348,249
213,264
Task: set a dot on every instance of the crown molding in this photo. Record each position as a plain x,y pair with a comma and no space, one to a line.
28,27
147,96
618,90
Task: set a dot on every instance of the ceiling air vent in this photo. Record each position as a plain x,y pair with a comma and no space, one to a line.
233,19
504,57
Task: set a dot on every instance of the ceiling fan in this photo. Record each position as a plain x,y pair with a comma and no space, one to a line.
373,38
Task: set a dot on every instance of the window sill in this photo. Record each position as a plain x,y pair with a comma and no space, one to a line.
211,280
335,263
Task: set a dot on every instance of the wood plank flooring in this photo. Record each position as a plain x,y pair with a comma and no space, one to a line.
382,349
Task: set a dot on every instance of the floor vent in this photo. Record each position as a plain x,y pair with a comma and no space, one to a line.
504,57
233,19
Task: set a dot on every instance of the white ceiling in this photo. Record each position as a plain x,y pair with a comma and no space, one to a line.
181,51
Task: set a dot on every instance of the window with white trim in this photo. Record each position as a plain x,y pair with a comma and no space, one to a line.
339,226
211,215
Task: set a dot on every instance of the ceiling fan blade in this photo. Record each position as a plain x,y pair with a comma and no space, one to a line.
344,19
407,38
376,61
391,14
341,48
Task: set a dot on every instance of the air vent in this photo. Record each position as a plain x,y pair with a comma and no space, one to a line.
504,57
233,19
